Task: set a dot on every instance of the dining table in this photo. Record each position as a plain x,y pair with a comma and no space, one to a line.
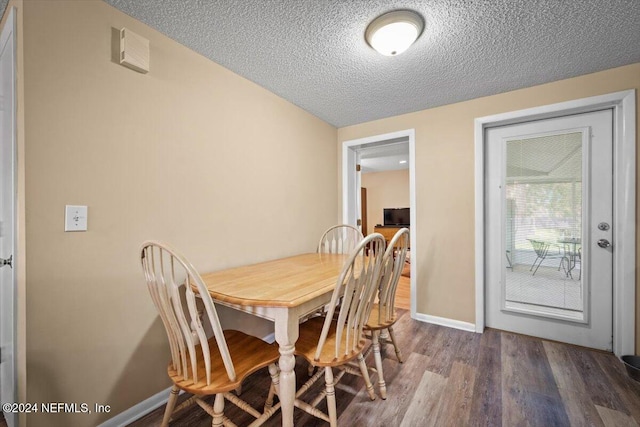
284,291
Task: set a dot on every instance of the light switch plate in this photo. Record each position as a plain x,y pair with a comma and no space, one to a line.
75,218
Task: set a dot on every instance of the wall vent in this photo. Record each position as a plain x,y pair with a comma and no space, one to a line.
134,51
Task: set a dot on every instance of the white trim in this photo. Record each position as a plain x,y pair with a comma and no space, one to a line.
348,176
8,41
624,234
412,237
479,125
443,321
138,411
624,282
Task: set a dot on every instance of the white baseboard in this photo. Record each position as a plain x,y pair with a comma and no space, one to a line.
138,411
443,321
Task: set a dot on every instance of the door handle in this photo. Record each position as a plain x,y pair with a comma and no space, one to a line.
604,243
7,261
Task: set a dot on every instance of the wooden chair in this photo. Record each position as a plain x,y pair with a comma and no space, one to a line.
334,341
383,314
339,239
199,365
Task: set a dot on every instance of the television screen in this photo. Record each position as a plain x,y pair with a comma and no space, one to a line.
396,216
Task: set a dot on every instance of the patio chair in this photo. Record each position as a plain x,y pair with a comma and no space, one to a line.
543,251
573,253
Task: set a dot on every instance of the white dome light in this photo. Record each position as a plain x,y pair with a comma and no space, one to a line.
394,32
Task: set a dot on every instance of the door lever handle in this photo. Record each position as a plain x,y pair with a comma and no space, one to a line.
604,243
7,261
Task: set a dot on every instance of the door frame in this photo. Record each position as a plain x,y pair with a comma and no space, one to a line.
8,35
349,191
624,202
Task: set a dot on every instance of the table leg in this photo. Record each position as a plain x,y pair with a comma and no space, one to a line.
286,331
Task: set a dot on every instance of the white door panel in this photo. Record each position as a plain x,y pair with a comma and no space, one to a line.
548,186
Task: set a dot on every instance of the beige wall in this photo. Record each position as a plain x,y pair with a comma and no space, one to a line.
444,162
388,189
190,153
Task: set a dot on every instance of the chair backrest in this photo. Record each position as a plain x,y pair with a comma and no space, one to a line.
339,239
356,286
392,266
166,272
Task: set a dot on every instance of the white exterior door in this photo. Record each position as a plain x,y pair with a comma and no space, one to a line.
548,229
7,218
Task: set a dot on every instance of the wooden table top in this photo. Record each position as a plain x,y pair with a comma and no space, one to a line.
286,282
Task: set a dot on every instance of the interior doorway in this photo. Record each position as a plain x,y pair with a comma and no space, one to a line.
383,168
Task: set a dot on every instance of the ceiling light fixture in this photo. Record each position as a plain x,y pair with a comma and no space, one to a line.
394,32
402,162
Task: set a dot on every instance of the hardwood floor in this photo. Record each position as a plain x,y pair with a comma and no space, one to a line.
456,378
403,293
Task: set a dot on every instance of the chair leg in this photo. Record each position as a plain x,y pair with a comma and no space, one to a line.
268,404
539,264
173,398
239,390
331,396
378,358
365,375
567,269
275,385
534,264
218,411
580,272
395,345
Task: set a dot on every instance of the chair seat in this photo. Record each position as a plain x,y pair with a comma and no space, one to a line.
307,344
374,317
248,353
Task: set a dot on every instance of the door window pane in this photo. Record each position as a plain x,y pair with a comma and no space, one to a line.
544,225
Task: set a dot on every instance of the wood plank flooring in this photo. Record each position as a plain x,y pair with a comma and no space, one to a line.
403,293
457,378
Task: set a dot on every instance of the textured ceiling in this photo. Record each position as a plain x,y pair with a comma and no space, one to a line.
313,52
384,156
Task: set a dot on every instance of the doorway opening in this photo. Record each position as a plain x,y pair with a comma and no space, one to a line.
378,176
